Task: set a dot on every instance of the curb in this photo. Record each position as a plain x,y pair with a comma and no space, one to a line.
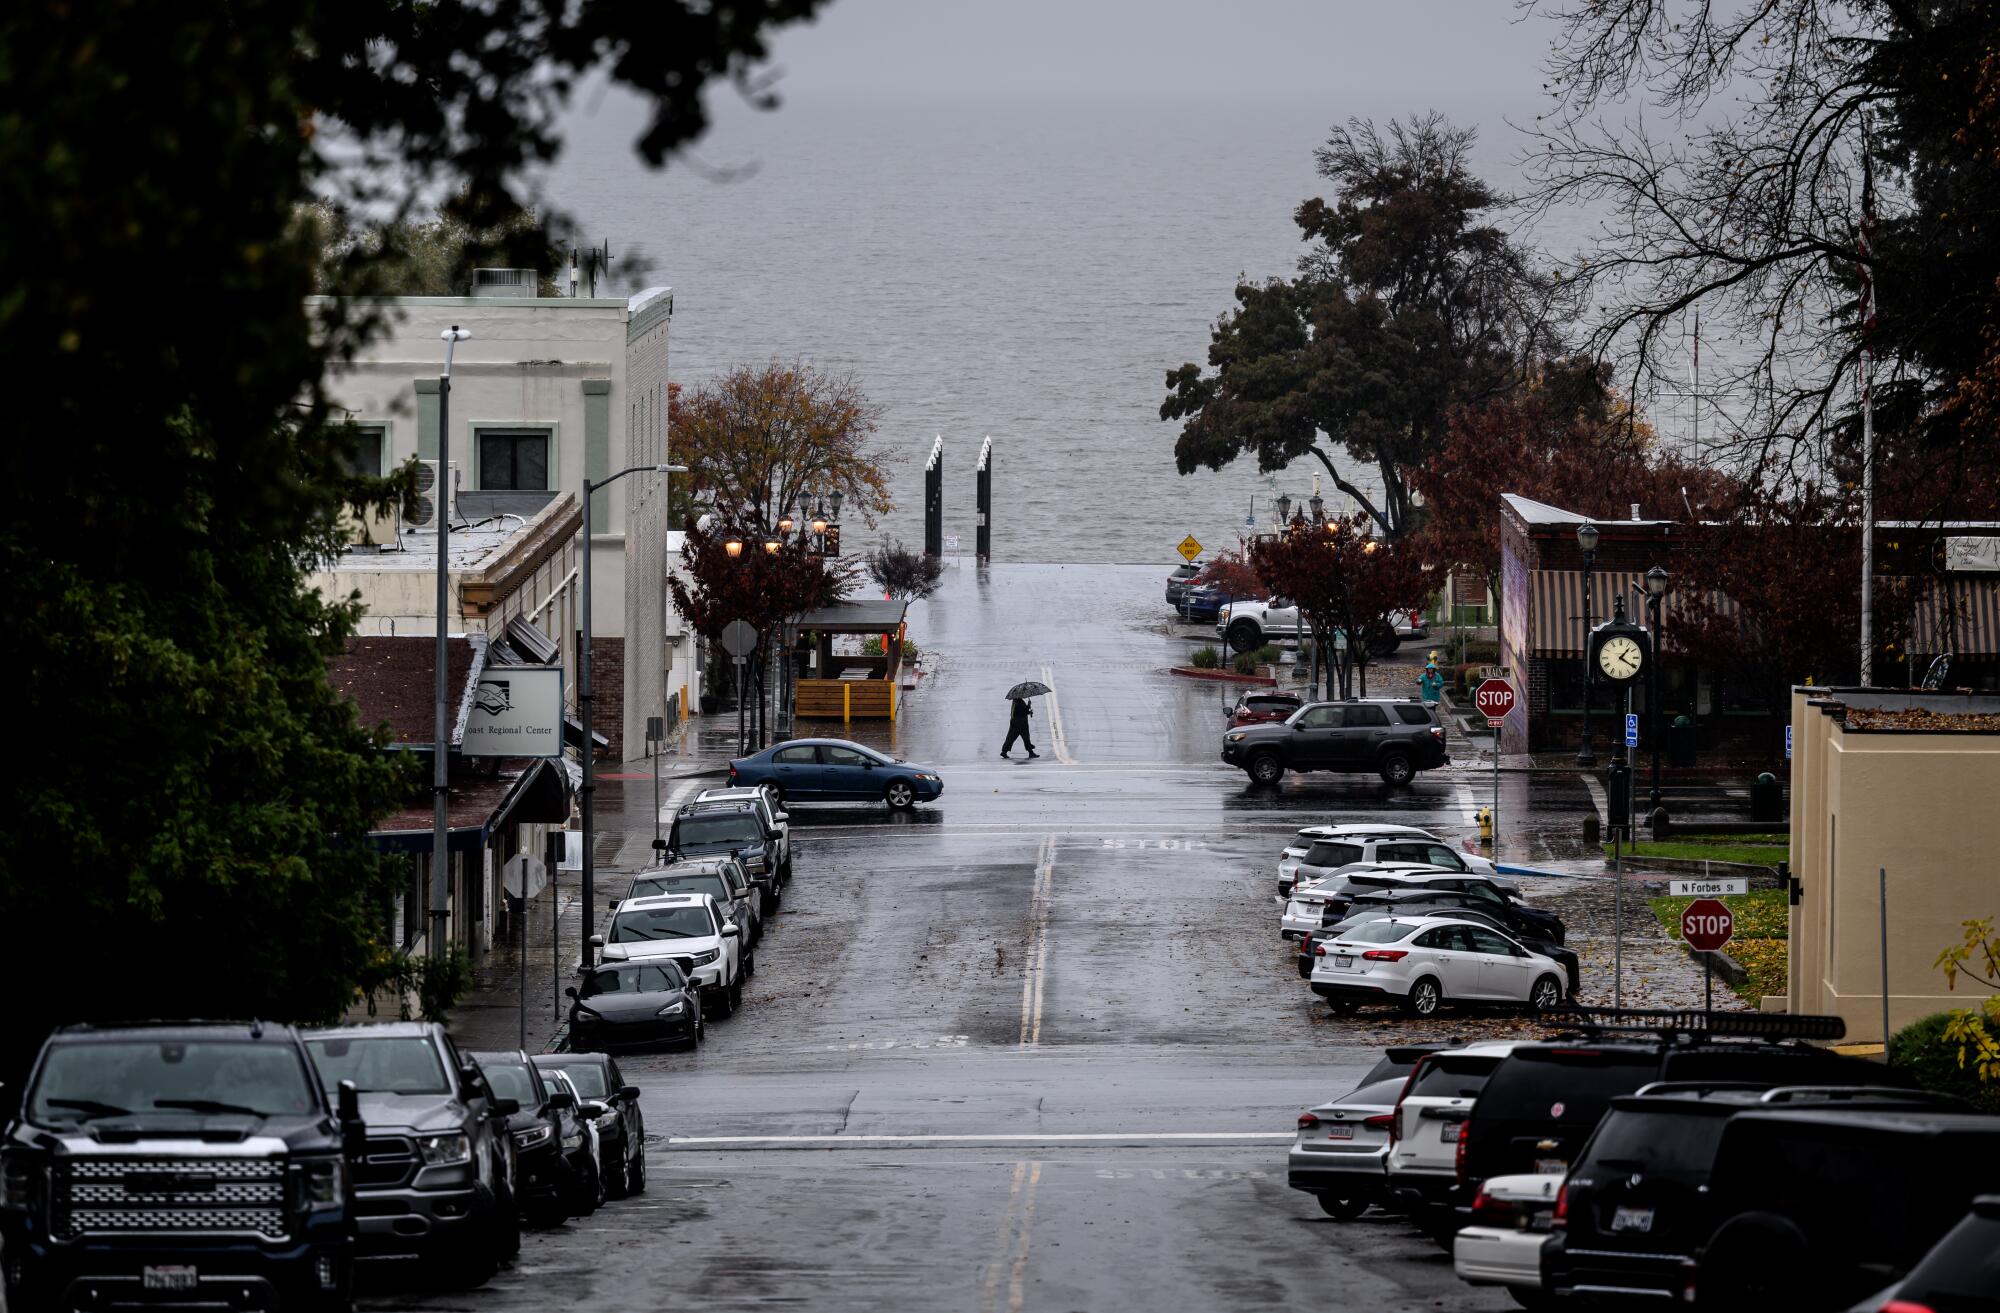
1222,676
1699,866
1727,968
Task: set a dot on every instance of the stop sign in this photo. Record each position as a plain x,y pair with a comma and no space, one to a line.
1707,924
1494,698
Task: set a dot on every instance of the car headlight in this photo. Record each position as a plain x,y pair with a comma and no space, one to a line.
319,1185
533,1135
18,1181
706,956
922,776
1237,737
671,1010
443,1150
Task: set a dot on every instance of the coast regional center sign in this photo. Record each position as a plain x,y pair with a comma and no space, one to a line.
517,711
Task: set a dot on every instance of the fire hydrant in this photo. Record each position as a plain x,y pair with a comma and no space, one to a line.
1485,816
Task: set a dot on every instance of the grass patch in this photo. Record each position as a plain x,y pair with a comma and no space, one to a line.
1761,944
1721,848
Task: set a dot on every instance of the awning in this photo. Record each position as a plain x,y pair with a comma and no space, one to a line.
870,616
1555,606
1960,616
478,805
573,734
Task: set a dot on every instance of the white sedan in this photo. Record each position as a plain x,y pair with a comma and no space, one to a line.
1423,961
1503,1246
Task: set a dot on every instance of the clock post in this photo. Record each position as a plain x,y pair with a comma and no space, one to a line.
1619,653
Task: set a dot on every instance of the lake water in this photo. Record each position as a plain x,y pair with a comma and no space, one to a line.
1028,273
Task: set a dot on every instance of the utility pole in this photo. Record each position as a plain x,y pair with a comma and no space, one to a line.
440,893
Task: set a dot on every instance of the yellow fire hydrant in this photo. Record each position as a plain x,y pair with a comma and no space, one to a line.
1486,826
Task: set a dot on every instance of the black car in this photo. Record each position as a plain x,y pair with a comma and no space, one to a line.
1392,737
614,1106
628,1004
436,1182
1410,903
125,1181
1635,1207
730,829
1815,1208
1961,1273
545,1130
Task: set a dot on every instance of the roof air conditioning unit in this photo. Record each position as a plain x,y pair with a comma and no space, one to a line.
506,282
431,499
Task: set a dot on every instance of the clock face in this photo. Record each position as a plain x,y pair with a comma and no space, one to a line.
1620,657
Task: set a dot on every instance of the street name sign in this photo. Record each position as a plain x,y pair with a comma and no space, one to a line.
1720,886
517,711
1707,925
1494,698
1189,548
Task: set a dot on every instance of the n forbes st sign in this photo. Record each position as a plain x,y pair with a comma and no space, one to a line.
517,711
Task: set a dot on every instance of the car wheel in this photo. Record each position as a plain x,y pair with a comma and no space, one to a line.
901,795
598,1193
471,1264
1342,1208
1425,998
1531,1297
1266,768
635,1178
1546,994
617,1184
1758,1260
749,965
736,994
1244,636
1396,768
721,1005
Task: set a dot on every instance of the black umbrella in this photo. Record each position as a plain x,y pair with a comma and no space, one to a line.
1029,688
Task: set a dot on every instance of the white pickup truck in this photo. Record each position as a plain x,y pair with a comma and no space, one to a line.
1248,625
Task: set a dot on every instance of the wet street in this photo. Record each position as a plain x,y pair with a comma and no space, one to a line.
1037,1045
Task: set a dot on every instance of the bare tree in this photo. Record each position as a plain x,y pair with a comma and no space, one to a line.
903,573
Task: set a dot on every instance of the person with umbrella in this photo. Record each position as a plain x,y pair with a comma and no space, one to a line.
1017,723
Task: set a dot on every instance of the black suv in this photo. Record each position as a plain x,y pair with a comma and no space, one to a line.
547,1130
614,1106
178,1165
436,1181
731,828
1393,737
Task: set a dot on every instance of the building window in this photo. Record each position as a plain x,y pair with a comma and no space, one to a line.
514,460
363,448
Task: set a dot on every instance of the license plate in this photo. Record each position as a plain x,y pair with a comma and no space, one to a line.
1632,1219
1343,963
1551,1167
1450,1132
169,1277
1339,1132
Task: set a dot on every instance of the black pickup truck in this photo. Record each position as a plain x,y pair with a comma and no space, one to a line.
178,1165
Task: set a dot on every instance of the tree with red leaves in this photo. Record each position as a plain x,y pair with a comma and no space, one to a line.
1346,583
1232,573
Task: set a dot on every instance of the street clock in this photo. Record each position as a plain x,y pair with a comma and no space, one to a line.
1619,649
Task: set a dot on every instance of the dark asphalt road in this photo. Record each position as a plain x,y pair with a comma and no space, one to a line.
1034,1047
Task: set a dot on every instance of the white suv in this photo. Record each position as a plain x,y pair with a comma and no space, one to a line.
1422,1162
1421,961
1374,843
691,929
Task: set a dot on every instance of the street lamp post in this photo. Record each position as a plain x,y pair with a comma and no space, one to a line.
440,897
1657,581
584,699
1586,538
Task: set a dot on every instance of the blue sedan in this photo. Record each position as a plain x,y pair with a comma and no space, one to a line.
836,770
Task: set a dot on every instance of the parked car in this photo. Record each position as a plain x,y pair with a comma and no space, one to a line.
1337,1157
689,930
1344,886
1511,912
1202,603
113,1116
777,821
731,829
1815,1208
1960,1274
1248,625
1393,739
545,1129
1413,903
1178,582
1511,1220
1334,852
613,1105
1634,1207
436,1179
1423,962
583,1153
1302,842
836,770
629,1004
1261,708
1421,1167
722,879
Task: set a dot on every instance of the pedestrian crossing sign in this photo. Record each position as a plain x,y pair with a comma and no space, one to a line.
1189,548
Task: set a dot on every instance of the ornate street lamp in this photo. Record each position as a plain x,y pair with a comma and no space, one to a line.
1284,504
771,546
1318,504
733,546
786,523
1586,538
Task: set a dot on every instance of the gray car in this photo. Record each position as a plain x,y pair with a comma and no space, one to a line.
721,878
1342,1143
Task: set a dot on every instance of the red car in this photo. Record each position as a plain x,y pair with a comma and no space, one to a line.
1262,708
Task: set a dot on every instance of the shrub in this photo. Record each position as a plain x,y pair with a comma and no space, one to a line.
1923,1049
1267,654
1247,663
1205,658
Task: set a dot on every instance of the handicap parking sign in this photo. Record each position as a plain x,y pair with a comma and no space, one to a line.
1631,729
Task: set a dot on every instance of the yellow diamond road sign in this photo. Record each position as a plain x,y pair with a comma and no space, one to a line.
1190,548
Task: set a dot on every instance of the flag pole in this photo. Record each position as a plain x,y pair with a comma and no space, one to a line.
1867,414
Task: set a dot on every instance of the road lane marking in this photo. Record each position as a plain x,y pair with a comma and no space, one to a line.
1052,1137
1033,969
1016,1284
1003,1240
1055,720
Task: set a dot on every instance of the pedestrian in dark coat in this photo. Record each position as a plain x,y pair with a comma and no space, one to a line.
1017,728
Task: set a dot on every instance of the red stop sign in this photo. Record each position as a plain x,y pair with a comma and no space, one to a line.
1494,698
1707,924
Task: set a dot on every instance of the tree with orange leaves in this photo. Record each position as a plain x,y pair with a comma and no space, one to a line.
1346,583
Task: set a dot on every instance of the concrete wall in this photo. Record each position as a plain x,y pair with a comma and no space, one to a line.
1920,805
647,612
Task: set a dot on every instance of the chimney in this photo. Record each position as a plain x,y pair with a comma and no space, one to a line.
1635,511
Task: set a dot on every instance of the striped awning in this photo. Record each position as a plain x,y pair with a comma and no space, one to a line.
1960,616
1555,606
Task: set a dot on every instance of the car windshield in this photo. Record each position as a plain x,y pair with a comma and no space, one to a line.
1454,1076
689,921
82,1081
639,978
712,885
1657,1141
379,1064
731,827
510,1080
1380,932
588,1079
